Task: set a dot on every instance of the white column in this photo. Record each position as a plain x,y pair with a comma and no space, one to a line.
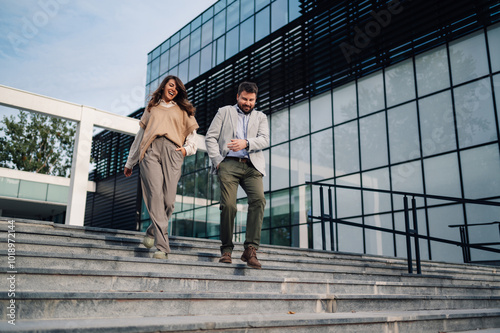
75,213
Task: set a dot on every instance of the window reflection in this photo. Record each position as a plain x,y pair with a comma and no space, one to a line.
373,134
468,58
400,83
346,148
474,113
437,124
403,133
371,93
433,73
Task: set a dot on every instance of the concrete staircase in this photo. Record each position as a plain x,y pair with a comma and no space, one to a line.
74,279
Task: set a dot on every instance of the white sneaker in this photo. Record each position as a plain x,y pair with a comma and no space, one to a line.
160,255
148,242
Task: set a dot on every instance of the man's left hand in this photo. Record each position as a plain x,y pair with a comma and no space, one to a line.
237,144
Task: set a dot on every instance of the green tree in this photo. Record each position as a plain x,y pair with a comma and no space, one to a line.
37,143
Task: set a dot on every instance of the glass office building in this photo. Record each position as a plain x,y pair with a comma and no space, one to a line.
390,95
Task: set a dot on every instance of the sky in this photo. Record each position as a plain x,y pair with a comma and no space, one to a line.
88,52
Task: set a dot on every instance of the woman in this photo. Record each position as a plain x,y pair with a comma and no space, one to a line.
167,134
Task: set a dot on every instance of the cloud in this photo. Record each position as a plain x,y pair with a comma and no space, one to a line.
88,52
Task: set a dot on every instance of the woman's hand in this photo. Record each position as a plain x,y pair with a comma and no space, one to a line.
183,151
127,172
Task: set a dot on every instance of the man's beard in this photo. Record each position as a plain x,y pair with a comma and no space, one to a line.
242,108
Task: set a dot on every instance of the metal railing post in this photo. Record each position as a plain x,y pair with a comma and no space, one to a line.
407,233
415,235
332,243
322,208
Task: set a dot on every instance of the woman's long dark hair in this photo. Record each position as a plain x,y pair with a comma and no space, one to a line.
180,99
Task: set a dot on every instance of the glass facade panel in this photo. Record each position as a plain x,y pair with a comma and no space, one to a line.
322,159
32,190
246,10
375,202
468,58
213,221
174,55
194,66
259,4
437,124
280,218
155,68
220,24
232,42
346,145
407,177
496,84
221,47
373,135
321,112
371,93
344,103
279,14
494,47
300,163
348,201
233,14
195,41
9,187
206,35
280,167
350,238
481,171
262,24
164,63
293,9
433,73
400,83
279,126
299,119
439,219
300,203
475,115
403,133
184,49
206,59
57,193
482,233
442,176
378,242
246,33
183,71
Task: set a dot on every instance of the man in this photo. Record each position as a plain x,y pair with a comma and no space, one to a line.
234,143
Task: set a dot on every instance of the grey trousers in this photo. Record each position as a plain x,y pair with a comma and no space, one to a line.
231,174
160,172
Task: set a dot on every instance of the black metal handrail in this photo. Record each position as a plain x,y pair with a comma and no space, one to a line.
464,237
409,232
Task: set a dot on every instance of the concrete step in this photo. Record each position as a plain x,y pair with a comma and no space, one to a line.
60,305
63,234
42,279
359,322
62,261
273,257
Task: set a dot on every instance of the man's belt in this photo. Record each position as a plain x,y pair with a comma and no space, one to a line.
239,159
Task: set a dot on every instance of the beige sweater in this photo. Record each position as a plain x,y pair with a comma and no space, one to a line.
171,122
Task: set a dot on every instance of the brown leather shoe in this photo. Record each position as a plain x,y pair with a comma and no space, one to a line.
250,257
226,258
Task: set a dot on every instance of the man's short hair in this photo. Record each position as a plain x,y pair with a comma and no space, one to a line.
249,87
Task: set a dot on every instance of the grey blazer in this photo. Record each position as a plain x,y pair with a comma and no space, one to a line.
223,129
